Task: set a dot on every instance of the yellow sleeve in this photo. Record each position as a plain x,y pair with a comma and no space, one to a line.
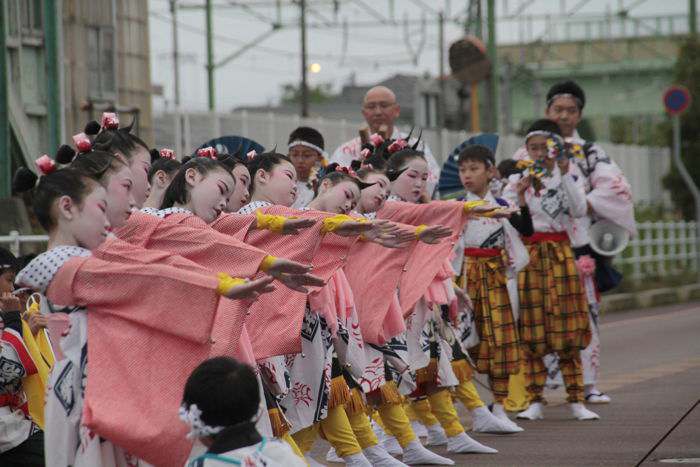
469,205
331,224
270,222
267,263
226,283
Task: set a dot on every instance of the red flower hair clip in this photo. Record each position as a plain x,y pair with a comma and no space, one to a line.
45,165
252,154
397,145
346,171
208,152
166,153
110,121
365,153
376,139
82,143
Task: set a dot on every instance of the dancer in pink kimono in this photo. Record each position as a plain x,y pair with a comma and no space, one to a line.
85,424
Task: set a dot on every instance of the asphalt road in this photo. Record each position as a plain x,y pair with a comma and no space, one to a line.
650,366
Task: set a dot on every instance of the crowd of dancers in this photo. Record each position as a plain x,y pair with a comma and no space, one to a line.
234,307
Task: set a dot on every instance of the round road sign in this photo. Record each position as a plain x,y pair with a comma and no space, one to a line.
676,100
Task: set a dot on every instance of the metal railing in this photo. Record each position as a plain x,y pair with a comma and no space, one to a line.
660,249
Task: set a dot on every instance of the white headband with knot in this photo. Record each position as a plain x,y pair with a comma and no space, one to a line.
198,429
548,134
300,142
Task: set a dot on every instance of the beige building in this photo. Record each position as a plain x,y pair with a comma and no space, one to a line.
106,63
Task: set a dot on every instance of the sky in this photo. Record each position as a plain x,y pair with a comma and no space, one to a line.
356,53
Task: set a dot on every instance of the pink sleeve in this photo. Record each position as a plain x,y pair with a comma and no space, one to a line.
196,242
157,296
235,225
426,261
374,273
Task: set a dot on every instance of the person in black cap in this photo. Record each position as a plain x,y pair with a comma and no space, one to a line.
306,151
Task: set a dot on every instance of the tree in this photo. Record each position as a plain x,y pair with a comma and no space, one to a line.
291,93
687,73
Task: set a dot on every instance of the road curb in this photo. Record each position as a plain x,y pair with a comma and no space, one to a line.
650,298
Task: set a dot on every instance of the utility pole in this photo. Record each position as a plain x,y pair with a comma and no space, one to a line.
304,87
692,18
441,46
176,53
210,54
493,80
5,161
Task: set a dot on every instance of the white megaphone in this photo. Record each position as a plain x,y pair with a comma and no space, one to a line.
608,239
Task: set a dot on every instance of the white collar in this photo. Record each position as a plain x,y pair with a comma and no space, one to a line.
39,273
253,206
163,213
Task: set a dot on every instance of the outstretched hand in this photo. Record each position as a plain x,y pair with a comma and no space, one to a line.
287,266
251,289
352,228
434,234
293,226
299,281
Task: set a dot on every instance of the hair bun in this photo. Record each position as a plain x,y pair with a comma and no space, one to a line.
65,154
92,128
24,180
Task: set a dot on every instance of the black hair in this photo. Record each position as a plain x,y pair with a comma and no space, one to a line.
477,153
119,140
545,124
169,166
331,172
567,87
265,161
401,158
24,260
308,134
177,191
8,261
231,161
63,182
508,167
225,390
97,165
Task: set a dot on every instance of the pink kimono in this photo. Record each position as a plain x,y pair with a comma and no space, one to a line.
426,260
142,349
189,236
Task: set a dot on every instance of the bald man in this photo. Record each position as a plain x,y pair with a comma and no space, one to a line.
379,107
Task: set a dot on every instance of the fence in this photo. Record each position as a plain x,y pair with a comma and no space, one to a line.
660,249
643,166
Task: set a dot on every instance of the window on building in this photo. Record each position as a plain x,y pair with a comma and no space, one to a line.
430,110
101,69
31,17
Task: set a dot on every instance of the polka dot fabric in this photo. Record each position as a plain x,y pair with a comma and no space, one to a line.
39,273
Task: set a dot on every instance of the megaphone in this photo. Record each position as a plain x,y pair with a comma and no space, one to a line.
608,239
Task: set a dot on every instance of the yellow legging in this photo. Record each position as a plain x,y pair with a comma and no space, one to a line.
335,429
467,395
395,422
518,397
360,424
442,409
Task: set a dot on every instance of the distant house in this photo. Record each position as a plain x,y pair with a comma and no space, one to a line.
346,105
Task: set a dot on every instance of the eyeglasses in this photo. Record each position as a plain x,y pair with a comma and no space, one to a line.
375,105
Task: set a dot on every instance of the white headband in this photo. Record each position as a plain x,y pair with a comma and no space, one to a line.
300,142
548,134
579,103
198,429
